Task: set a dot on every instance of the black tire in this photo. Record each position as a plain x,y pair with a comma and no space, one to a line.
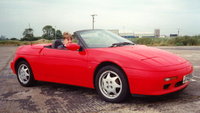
102,87
30,80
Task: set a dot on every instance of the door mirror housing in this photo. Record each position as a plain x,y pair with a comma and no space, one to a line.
73,46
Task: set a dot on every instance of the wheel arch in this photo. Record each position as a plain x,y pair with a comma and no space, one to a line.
106,63
19,60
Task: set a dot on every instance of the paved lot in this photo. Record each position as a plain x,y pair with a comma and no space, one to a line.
51,98
6,53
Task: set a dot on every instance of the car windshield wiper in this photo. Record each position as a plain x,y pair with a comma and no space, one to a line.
121,44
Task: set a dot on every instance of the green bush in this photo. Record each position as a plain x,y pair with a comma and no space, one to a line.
170,41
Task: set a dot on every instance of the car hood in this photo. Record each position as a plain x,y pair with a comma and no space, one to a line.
145,55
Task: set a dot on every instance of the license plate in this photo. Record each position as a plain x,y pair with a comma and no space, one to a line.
187,78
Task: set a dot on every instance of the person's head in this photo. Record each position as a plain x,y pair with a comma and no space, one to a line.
67,36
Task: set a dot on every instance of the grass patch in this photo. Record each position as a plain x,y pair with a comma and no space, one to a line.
172,41
18,43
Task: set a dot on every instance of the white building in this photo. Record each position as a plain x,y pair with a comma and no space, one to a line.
154,34
157,33
144,34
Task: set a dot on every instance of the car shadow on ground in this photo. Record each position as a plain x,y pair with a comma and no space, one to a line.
154,99
62,90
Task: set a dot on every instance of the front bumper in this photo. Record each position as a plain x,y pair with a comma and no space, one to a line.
12,67
152,82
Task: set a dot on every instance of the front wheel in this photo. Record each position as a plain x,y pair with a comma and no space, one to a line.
111,84
24,74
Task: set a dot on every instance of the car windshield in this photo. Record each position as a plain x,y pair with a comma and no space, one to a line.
103,38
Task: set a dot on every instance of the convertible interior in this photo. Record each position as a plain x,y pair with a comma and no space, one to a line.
55,44
58,44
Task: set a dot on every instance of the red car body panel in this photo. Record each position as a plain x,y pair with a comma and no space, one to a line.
145,67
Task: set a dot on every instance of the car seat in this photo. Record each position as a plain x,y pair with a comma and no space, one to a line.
57,43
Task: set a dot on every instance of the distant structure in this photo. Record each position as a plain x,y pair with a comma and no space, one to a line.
2,37
144,35
157,33
173,35
162,36
178,31
116,31
127,35
93,15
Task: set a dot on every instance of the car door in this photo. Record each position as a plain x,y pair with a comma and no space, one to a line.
63,66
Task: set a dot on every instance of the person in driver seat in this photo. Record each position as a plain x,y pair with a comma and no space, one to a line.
59,44
67,38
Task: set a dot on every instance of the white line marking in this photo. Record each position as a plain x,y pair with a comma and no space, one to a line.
193,80
196,77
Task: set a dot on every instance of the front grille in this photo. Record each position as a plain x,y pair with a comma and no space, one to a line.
179,83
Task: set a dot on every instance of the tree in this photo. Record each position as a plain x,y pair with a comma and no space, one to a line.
28,34
58,34
48,32
13,39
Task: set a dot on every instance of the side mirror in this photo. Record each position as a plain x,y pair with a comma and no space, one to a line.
73,46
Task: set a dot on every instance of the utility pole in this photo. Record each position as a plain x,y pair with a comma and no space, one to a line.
178,31
55,32
93,15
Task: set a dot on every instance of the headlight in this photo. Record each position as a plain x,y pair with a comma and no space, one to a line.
170,78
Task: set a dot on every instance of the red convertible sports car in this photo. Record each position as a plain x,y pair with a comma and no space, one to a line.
114,66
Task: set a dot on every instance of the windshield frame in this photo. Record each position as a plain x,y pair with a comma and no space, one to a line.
78,33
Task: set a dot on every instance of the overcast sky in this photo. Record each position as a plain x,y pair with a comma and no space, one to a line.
125,15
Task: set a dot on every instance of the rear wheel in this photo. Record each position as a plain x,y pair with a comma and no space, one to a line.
24,74
111,84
